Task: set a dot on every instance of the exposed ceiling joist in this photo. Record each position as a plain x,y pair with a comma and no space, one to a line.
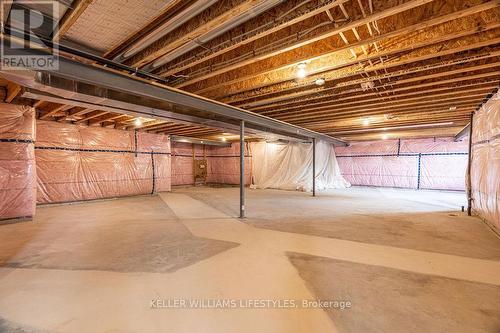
70,17
348,26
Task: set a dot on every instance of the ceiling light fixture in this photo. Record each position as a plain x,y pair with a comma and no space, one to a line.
223,139
366,121
385,136
138,122
453,108
301,70
320,81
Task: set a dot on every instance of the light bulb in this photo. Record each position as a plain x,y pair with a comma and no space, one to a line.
138,122
385,136
366,122
301,73
320,82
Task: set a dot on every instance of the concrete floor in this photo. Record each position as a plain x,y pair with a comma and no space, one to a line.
405,260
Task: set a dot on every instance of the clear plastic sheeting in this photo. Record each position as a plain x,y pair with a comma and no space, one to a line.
433,163
485,168
76,163
288,166
17,161
384,171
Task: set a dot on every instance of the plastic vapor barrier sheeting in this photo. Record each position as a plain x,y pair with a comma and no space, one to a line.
83,163
288,166
17,161
223,163
415,163
485,168
182,162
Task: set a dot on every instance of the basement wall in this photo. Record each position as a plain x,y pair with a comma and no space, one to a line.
437,164
77,163
17,161
485,165
223,163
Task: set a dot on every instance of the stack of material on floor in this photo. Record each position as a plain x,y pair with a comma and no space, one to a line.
288,166
485,168
83,163
415,163
17,161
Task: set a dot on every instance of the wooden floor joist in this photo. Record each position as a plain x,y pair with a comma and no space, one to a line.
396,63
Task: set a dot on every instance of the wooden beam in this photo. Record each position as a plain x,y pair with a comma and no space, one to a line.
95,115
111,117
314,54
38,103
12,91
354,94
463,105
313,90
437,106
76,113
268,24
215,17
362,108
414,52
6,6
55,110
70,17
379,100
404,120
171,8
348,26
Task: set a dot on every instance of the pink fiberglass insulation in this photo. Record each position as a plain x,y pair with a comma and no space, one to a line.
17,161
182,163
485,168
83,163
223,163
438,163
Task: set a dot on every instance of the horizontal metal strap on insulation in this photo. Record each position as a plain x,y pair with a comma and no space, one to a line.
403,155
102,150
17,140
